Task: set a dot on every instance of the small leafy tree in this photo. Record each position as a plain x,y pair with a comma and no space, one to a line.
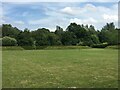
24,38
34,44
8,41
95,39
0,41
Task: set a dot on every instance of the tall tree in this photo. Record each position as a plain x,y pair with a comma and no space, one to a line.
41,36
108,34
68,38
8,30
24,38
59,31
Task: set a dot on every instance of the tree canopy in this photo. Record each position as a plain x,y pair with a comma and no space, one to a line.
74,34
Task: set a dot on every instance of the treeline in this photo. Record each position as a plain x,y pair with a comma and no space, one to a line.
74,34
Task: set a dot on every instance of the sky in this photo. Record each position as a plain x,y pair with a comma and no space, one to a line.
34,15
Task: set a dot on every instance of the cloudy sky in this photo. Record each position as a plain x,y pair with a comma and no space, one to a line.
34,15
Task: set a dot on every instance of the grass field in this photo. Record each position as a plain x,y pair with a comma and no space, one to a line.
60,68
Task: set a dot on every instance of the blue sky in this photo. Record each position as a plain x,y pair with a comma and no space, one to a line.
36,15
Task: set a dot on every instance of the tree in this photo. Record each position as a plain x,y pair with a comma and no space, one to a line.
8,30
109,34
113,37
78,30
109,27
68,38
0,41
0,31
75,34
24,38
41,37
92,29
95,39
53,39
59,31
8,41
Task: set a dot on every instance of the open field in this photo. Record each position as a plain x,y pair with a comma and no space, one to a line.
60,68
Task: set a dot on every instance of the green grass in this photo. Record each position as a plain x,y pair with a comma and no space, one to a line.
60,68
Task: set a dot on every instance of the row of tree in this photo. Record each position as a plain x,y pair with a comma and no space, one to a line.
74,35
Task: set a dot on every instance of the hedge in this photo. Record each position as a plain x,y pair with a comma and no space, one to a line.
102,45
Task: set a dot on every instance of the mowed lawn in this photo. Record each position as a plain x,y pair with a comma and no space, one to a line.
77,68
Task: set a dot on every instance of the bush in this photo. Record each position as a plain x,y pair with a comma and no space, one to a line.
54,47
113,47
102,45
8,41
65,47
34,48
12,48
0,41
28,47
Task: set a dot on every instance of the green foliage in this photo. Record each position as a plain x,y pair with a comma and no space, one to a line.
65,47
74,34
59,31
8,41
92,29
95,39
0,41
103,45
53,39
5,48
113,47
24,38
8,30
68,38
77,30
41,36
84,35
34,45
34,48
0,31
109,27
109,34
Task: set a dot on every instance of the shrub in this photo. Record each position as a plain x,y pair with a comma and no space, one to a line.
102,45
34,48
12,48
8,41
66,47
0,41
28,47
54,47
113,47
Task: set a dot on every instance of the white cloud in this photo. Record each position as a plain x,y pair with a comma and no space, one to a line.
63,15
88,14
73,10
68,10
110,17
91,14
1,22
1,14
50,22
84,21
90,7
